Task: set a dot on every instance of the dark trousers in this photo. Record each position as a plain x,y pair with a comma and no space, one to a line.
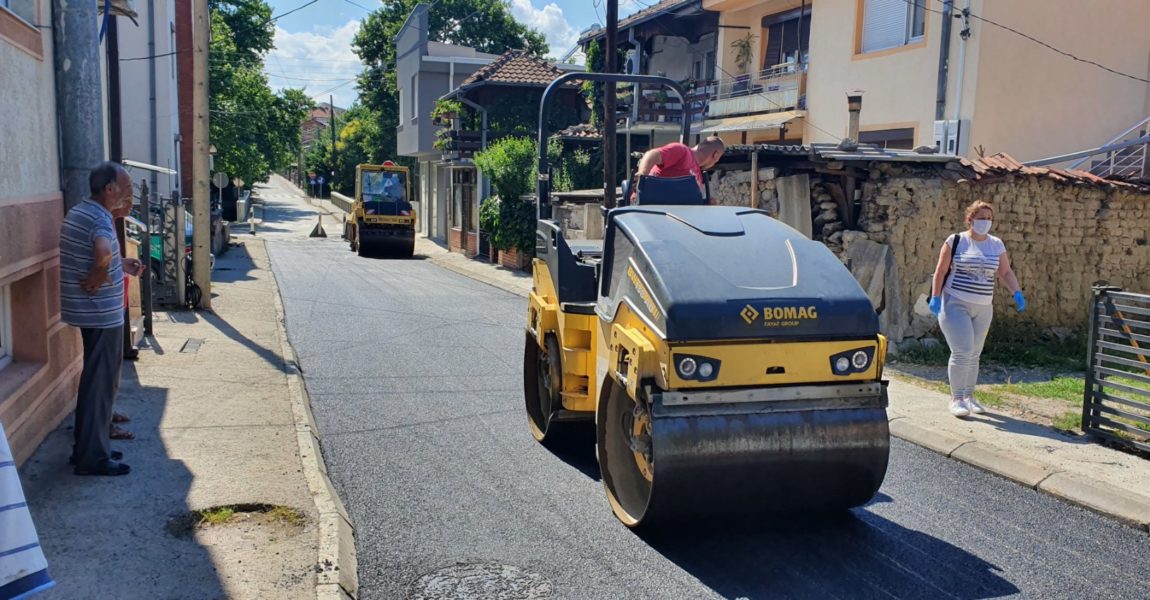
103,355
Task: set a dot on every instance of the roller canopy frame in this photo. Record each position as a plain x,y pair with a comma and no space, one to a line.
543,184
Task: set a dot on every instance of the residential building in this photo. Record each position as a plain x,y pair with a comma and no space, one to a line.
40,357
991,89
674,39
317,122
498,100
149,97
425,71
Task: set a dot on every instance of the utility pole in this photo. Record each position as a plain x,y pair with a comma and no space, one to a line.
201,190
331,109
610,66
79,101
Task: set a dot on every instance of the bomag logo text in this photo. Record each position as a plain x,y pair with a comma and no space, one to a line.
644,294
779,316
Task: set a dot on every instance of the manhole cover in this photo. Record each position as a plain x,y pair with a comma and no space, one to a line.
482,580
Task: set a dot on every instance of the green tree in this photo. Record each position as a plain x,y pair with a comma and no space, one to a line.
510,163
356,144
486,25
254,130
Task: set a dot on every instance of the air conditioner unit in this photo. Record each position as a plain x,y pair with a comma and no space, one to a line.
948,135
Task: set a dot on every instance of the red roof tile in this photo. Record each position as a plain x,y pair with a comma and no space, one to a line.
516,67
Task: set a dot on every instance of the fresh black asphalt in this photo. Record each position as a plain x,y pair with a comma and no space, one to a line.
415,380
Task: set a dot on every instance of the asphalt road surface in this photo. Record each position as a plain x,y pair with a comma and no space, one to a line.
415,379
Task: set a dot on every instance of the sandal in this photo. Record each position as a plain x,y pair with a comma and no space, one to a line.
120,418
121,434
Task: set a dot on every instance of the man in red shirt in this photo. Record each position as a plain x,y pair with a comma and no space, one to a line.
677,160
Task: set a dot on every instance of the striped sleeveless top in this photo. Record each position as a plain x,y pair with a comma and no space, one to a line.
975,268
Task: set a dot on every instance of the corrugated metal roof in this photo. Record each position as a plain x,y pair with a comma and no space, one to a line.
752,122
864,153
650,12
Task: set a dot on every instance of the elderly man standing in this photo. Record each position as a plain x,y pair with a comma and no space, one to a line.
92,298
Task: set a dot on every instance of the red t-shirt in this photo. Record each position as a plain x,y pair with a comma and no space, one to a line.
678,160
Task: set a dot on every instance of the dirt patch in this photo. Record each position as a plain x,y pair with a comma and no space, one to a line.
270,515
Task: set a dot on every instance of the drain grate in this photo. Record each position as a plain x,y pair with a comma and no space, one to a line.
482,580
191,346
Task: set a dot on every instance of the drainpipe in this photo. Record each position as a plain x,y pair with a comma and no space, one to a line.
943,64
79,100
963,36
153,142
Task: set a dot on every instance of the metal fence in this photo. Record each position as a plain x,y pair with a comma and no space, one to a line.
1116,402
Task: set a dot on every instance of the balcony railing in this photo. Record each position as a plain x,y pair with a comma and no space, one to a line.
779,88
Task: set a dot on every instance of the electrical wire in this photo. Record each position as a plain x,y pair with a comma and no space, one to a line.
360,6
962,14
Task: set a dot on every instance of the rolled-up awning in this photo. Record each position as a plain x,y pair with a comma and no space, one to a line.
751,122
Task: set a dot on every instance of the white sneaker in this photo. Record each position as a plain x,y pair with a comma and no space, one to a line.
974,406
958,408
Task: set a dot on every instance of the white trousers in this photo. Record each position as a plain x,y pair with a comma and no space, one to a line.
965,325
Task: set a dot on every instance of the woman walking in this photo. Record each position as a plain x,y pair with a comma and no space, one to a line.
961,297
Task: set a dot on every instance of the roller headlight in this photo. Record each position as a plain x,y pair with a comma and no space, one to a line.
852,362
705,370
687,367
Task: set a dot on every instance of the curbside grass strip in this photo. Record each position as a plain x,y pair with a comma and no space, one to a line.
337,570
1128,507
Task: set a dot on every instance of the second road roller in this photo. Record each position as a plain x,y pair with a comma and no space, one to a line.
730,365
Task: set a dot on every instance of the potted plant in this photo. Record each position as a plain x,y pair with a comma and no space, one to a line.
744,48
489,222
445,111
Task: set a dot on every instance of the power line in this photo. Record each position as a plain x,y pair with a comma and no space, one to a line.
359,6
968,14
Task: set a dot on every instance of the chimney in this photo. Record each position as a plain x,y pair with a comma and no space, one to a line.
854,106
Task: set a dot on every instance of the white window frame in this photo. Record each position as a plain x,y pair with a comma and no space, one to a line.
7,5
907,10
5,326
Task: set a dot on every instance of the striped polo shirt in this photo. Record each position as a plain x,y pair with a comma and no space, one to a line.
84,223
975,268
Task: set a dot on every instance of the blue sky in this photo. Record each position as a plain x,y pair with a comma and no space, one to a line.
313,46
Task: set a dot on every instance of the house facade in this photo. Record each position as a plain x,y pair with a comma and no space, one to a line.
990,88
425,71
149,95
40,357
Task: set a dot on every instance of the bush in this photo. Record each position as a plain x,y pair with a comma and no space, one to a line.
510,165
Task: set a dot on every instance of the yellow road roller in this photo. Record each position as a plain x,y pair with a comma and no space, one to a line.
730,365
382,220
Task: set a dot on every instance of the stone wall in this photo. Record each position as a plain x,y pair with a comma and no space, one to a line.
1062,237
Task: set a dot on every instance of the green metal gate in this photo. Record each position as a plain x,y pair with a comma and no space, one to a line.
1116,402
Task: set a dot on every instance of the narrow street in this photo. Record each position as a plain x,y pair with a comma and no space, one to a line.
415,381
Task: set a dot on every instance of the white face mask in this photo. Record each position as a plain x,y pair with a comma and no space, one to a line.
981,226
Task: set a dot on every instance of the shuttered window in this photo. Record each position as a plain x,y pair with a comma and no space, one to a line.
891,23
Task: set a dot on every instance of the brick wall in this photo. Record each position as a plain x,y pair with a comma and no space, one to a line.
513,259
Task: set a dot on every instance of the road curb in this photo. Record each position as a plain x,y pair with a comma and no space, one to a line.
336,566
1122,505
491,281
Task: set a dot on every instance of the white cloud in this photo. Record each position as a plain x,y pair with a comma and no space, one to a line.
317,61
548,20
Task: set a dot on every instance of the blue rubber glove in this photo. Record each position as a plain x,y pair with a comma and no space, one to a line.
1019,301
935,305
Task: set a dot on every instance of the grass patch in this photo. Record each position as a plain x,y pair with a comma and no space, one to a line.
1067,389
1068,421
286,515
988,396
216,516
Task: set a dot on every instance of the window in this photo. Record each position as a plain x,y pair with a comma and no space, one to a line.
414,100
25,9
788,38
892,23
463,198
901,138
5,325
401,105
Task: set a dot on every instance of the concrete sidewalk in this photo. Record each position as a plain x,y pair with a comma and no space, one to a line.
1075,469
220,420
